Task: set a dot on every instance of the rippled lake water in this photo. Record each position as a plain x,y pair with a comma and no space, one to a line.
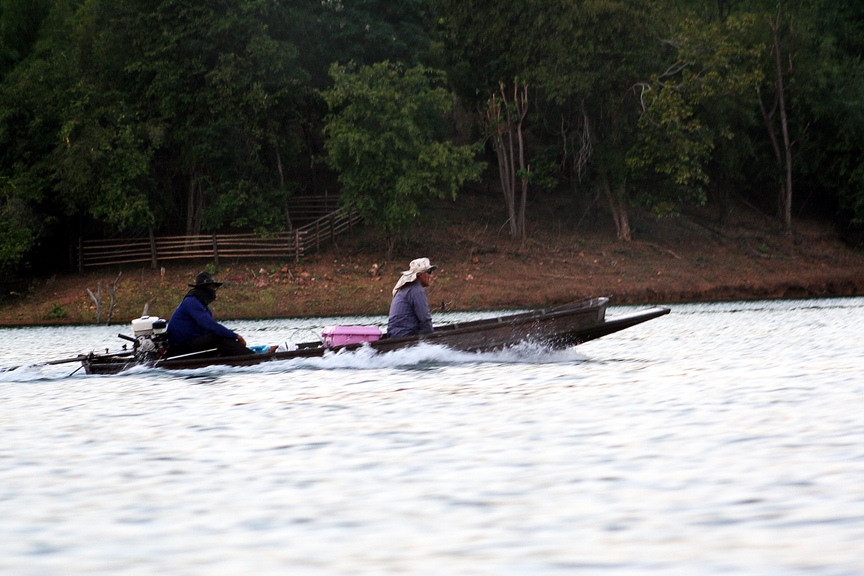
720,439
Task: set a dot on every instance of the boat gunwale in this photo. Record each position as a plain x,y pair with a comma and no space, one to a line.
588,305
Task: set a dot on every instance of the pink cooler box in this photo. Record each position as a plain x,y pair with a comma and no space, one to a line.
341,335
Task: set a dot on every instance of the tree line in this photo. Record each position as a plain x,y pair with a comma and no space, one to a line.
176,117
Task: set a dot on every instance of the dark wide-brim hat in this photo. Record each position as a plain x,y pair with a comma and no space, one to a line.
205,279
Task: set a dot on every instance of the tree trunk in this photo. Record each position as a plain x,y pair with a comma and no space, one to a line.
495,118
618,206
768,118
505,123
504,171
391,243
523,200
617,200
784,127
521,104
782,155
194,199
279,167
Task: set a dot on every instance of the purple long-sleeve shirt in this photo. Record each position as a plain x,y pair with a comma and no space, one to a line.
409,312
192,319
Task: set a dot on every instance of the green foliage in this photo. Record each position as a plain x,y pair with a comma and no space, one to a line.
487,42
582,58
589,60
687,112
18,227
20,21
828,85
367,32
105,165
138,116
190,116
57,312
215,79
385,138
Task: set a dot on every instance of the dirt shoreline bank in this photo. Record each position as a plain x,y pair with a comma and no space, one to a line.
672,261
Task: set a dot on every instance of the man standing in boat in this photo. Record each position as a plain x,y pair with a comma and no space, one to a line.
192,328
409,310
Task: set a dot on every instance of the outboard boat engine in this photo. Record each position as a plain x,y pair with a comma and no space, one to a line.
151,341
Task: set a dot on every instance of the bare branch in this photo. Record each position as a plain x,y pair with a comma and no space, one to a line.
97,300
645,87
112,291
675,69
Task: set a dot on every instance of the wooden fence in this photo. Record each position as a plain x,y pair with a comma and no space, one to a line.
159,249
304,209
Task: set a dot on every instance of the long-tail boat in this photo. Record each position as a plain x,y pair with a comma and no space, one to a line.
554,328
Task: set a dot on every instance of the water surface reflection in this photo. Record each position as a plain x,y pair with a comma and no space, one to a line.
721,438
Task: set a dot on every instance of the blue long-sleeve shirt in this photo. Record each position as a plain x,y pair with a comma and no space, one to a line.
409,312
192,319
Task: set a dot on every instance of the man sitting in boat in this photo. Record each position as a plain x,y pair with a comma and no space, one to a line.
409,310
192,328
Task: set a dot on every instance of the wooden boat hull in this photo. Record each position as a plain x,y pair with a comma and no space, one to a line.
555,328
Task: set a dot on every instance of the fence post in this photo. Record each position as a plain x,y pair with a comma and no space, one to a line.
332,228
296,245
153,261
215,251
80,255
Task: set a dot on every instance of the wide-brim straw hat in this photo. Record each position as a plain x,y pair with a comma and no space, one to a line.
416,267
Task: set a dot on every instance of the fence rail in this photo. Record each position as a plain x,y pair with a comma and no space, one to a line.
302,209
282,245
